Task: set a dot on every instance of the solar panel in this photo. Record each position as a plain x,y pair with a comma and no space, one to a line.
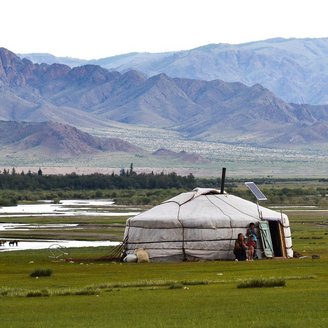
255,190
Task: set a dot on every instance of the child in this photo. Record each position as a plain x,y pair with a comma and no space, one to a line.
251,231
251,244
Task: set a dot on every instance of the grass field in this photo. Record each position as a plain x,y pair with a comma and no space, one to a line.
200,294
89,293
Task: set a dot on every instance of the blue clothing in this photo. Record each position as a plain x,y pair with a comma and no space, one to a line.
251,232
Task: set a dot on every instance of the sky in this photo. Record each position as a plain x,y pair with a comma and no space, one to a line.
92,29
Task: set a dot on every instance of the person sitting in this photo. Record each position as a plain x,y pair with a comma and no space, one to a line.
240,248
251,244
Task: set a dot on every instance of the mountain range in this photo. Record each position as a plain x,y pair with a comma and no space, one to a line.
94,97
295,70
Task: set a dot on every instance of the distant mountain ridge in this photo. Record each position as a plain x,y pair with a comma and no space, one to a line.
215,110
296,70
50,59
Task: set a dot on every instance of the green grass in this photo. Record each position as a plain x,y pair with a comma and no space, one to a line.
87,293
198,294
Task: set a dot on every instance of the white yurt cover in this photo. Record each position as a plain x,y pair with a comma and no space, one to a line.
202,224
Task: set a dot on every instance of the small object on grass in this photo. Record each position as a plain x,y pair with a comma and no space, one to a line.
41,273
130,258
297,254
315,257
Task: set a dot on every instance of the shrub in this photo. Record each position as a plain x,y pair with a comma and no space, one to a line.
259,283
87,291
56,200
37,293
176,286
41,273
8,201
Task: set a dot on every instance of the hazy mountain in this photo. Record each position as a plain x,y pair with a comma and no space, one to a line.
55,139
208,110
181,156
296,70
51,59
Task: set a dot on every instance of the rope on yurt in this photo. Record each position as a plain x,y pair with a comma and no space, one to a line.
228,216
117,251
236,208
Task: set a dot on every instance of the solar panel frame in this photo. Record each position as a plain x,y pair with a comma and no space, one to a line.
255,191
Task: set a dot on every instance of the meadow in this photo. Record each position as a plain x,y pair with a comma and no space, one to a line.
83,291
198,294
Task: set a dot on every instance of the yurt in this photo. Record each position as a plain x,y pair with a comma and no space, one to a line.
203,225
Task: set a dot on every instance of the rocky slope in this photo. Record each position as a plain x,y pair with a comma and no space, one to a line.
57,140
209,110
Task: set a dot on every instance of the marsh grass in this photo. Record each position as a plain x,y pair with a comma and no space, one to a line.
144,285
47,292
176,286
261,282
151,283
97,289
37,293
100,288
306,277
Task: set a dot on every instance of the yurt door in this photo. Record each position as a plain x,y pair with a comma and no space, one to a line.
266,238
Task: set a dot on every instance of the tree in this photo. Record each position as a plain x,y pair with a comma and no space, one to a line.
131,169
40,172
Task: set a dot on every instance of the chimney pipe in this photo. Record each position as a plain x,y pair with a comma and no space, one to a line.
223,180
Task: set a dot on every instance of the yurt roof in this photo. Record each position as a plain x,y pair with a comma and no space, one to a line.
205,208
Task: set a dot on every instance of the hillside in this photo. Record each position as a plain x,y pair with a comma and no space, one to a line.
296,70
56,140
91,96
181,156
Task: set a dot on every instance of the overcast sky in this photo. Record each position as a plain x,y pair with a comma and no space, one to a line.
93,29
